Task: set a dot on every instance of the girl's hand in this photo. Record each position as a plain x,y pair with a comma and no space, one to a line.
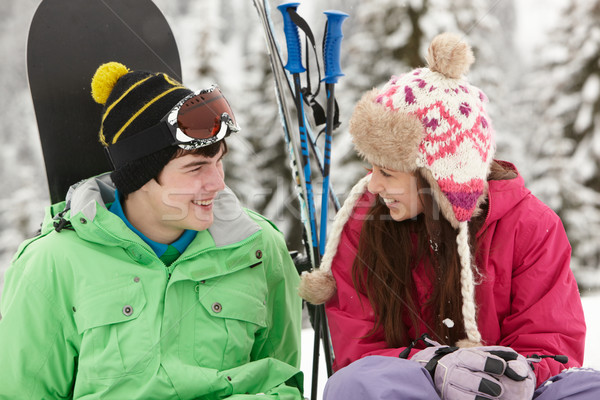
486,372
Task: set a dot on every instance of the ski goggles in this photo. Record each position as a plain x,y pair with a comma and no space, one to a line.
198,120
201,119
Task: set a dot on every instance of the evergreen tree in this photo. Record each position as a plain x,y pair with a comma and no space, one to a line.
567,141
24,189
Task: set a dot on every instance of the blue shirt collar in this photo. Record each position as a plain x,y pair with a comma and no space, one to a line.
159,248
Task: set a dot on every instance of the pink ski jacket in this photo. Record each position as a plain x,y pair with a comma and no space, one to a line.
527,298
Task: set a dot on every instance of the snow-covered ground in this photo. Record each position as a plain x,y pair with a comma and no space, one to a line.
591,305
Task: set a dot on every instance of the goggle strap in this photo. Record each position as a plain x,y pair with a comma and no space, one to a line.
140,145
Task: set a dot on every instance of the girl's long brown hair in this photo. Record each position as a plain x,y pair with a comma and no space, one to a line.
389,251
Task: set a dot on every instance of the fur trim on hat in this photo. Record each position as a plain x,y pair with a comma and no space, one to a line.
383,138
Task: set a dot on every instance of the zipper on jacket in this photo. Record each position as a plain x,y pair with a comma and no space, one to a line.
169,269
151,253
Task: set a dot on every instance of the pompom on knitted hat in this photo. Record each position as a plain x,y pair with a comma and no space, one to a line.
429,121
134,101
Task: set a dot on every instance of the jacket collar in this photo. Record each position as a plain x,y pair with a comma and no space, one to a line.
231,223
503,196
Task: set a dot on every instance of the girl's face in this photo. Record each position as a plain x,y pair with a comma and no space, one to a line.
399,192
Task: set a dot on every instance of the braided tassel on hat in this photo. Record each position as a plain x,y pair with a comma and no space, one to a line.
318,286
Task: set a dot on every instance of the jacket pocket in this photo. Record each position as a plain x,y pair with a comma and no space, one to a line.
115,338
232,311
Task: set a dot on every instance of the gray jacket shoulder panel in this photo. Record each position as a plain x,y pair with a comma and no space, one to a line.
231,222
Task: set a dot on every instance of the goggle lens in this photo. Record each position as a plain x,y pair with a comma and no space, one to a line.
201,116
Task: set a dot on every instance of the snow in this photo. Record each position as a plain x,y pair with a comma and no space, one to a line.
306,363
534,20
591,303
448,322
589,94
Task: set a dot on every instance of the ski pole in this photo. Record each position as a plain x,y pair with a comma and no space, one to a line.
282,79
294,66
275,58
321,164
331,59
279,77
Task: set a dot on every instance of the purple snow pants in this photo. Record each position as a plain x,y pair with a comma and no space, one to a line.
390,378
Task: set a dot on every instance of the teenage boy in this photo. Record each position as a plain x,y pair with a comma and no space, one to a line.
152,282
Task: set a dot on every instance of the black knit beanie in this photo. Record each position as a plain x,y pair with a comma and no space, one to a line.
134,101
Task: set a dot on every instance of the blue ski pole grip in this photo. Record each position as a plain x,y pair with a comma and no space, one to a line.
294,63
332,46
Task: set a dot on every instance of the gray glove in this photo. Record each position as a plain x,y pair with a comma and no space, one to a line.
478,373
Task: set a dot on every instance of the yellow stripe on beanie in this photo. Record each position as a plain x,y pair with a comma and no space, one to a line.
102,138
171,80
141,110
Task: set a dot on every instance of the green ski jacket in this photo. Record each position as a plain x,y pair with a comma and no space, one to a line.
90,312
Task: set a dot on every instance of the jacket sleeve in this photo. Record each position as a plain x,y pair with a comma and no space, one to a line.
349,312
546,315
282,337
37,353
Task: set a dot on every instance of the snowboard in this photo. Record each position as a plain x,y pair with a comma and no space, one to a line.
68,40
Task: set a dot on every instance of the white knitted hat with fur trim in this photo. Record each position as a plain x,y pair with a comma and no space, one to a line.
433,122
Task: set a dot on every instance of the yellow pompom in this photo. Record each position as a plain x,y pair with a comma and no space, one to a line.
104,80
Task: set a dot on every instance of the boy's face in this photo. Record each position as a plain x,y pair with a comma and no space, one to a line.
182,195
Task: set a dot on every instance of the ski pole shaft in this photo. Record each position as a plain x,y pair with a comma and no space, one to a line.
329,88
316,354
305,156
331,57
321,166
